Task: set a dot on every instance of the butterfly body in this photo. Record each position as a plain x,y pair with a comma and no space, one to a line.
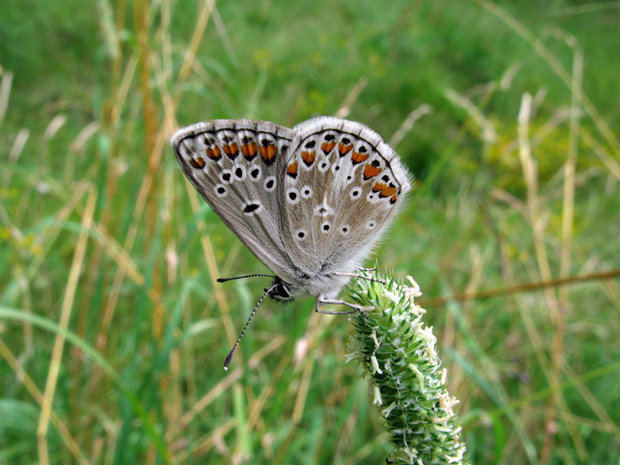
309,202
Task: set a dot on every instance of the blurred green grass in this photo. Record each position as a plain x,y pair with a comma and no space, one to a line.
100,233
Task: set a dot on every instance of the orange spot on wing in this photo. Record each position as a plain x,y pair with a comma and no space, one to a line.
308,157
371,171
394,199
214,153
387,191
291,169
359,157
378,187
197,163
232,150
327,147
249,150
268,152
344,149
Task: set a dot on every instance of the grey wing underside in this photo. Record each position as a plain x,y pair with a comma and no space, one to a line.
348,185
237,167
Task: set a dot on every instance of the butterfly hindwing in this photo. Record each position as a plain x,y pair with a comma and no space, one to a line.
342,185
237,167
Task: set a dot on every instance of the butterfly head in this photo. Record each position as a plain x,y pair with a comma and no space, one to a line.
280,290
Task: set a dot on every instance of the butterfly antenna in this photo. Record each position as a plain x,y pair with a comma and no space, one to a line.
223,280
232,352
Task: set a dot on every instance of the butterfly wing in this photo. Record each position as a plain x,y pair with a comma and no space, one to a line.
237,167
342,187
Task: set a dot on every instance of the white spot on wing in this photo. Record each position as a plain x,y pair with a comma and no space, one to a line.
239,171
255,172
253,207
372,197
220,190
226,176
355,193
292,196
270,183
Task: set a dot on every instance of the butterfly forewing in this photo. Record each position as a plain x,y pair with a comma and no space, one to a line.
237,167
342,186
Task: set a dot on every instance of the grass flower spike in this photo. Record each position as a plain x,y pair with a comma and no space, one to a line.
397,352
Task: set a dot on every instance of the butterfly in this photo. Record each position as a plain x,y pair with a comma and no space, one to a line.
309,202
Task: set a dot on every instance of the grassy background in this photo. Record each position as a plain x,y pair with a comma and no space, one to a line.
113,333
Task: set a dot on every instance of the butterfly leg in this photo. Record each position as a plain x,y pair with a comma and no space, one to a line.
353,275
356,308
